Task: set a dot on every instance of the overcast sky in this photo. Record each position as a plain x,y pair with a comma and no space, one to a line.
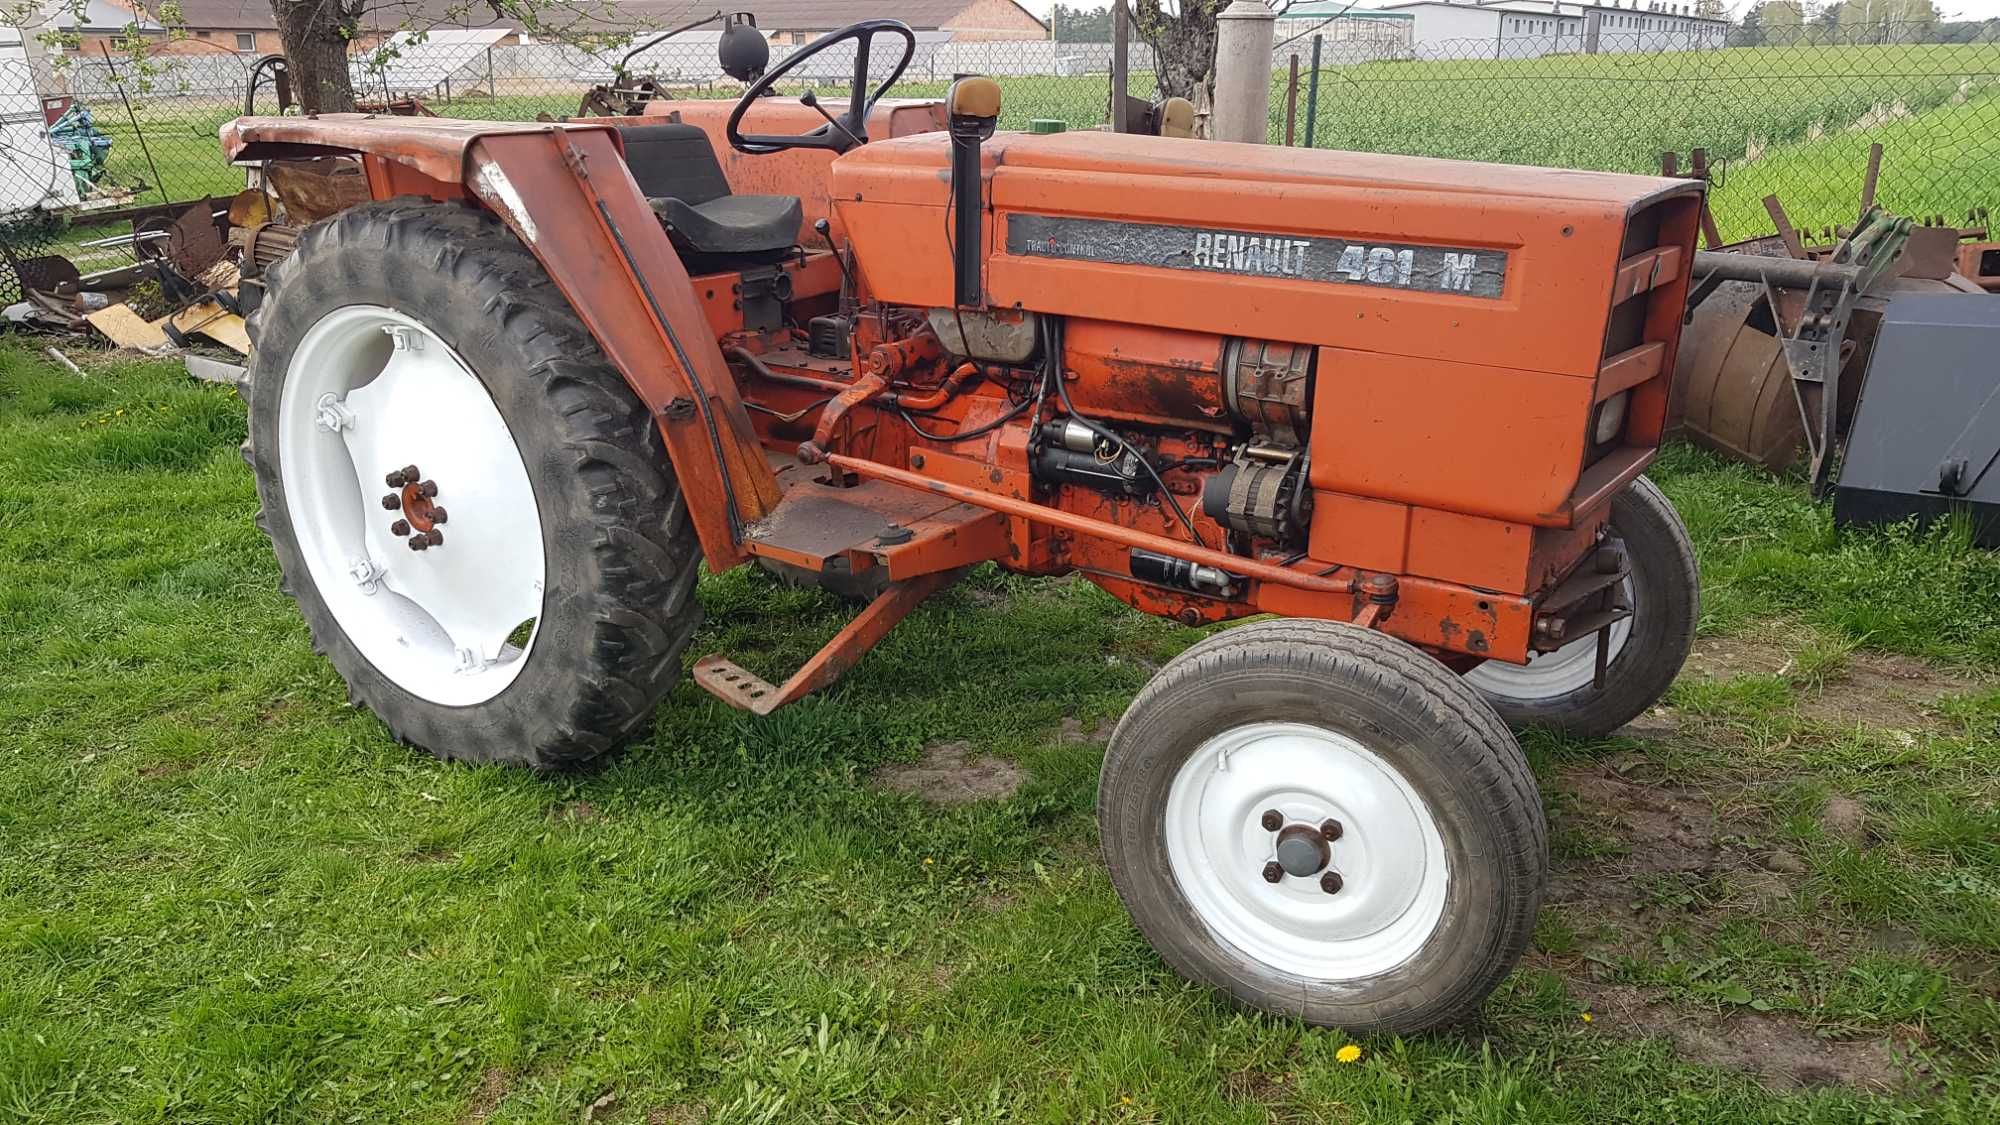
1952,9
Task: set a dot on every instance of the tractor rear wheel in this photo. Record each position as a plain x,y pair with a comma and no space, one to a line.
1326,824
1556,690
474,513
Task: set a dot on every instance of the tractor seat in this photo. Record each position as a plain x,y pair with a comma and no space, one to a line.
676,170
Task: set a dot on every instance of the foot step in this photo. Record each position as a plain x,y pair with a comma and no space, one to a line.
735,685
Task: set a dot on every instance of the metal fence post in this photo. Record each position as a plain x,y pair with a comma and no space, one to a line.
1292,101
1121,31
1312,93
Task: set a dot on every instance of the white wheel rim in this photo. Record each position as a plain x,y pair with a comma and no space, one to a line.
1551,675
367,391
1389,855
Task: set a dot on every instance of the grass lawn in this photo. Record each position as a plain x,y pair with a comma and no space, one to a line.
227,896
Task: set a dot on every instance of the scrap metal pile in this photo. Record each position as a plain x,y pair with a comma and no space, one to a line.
194,276
1867,352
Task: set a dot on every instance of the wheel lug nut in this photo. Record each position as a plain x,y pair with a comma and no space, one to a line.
1273,820
1331,830
428,488
400,528
411,475
396,479
420,543
439,515
1330,882
392,501
434,537
1273,872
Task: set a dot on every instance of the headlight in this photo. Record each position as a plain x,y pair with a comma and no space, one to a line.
1610,419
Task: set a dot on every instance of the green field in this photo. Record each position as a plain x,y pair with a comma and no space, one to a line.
226,896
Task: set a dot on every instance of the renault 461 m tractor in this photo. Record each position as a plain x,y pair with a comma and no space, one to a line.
1395,409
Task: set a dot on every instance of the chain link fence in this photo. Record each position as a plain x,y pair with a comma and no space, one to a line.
1788,115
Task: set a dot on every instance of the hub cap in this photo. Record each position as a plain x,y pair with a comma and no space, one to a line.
372,396
1359,864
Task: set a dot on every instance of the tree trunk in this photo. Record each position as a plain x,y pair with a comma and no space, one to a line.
1183,46
316,36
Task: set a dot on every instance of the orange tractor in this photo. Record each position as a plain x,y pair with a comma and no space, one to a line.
1397,409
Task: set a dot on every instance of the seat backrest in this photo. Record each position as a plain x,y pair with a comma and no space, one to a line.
674,162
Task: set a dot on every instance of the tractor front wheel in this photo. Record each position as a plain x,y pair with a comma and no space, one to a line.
473,511
1558,689
1327,825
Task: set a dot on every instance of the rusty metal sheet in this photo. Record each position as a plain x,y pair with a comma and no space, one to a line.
569,196
194,241
435,146
312,190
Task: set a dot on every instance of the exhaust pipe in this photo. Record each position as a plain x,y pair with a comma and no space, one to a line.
972,106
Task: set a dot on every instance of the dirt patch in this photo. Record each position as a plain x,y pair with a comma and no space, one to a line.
1665,827
1779,1052
576,812
1867,688
677,1115
996,902
1725,658
486,1097
1657,723
1879,690
279,711
1254,1087
954,773
159,770
1845,819
1074,732
1672,853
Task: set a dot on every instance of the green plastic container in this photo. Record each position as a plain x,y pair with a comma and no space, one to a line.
1047,125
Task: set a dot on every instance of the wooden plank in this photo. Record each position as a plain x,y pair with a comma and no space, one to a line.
209,319
126,328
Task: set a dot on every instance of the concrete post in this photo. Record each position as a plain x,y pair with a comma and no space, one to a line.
1243,33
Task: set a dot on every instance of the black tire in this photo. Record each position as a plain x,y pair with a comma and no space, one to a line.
1666,587
1413,714
619,554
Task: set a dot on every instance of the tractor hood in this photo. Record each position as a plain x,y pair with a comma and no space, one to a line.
1454,260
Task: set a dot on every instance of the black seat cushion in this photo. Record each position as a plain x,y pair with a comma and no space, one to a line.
676,170
734,224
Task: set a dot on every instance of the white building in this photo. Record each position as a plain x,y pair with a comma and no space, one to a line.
1347,34
1516,29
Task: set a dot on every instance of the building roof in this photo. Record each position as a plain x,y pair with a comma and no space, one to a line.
1569,9
819,15
1331,10
772,15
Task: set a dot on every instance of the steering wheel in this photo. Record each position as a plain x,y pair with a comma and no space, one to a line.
839,133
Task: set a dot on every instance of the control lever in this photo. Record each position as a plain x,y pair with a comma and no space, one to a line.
824,229
811,101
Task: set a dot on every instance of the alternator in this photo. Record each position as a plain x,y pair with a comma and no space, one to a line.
1268,499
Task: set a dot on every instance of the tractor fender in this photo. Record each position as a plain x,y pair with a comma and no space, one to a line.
565,192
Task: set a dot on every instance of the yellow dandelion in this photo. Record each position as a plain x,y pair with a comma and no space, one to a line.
1349,1053
928,861
1587,1017
1124,1099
